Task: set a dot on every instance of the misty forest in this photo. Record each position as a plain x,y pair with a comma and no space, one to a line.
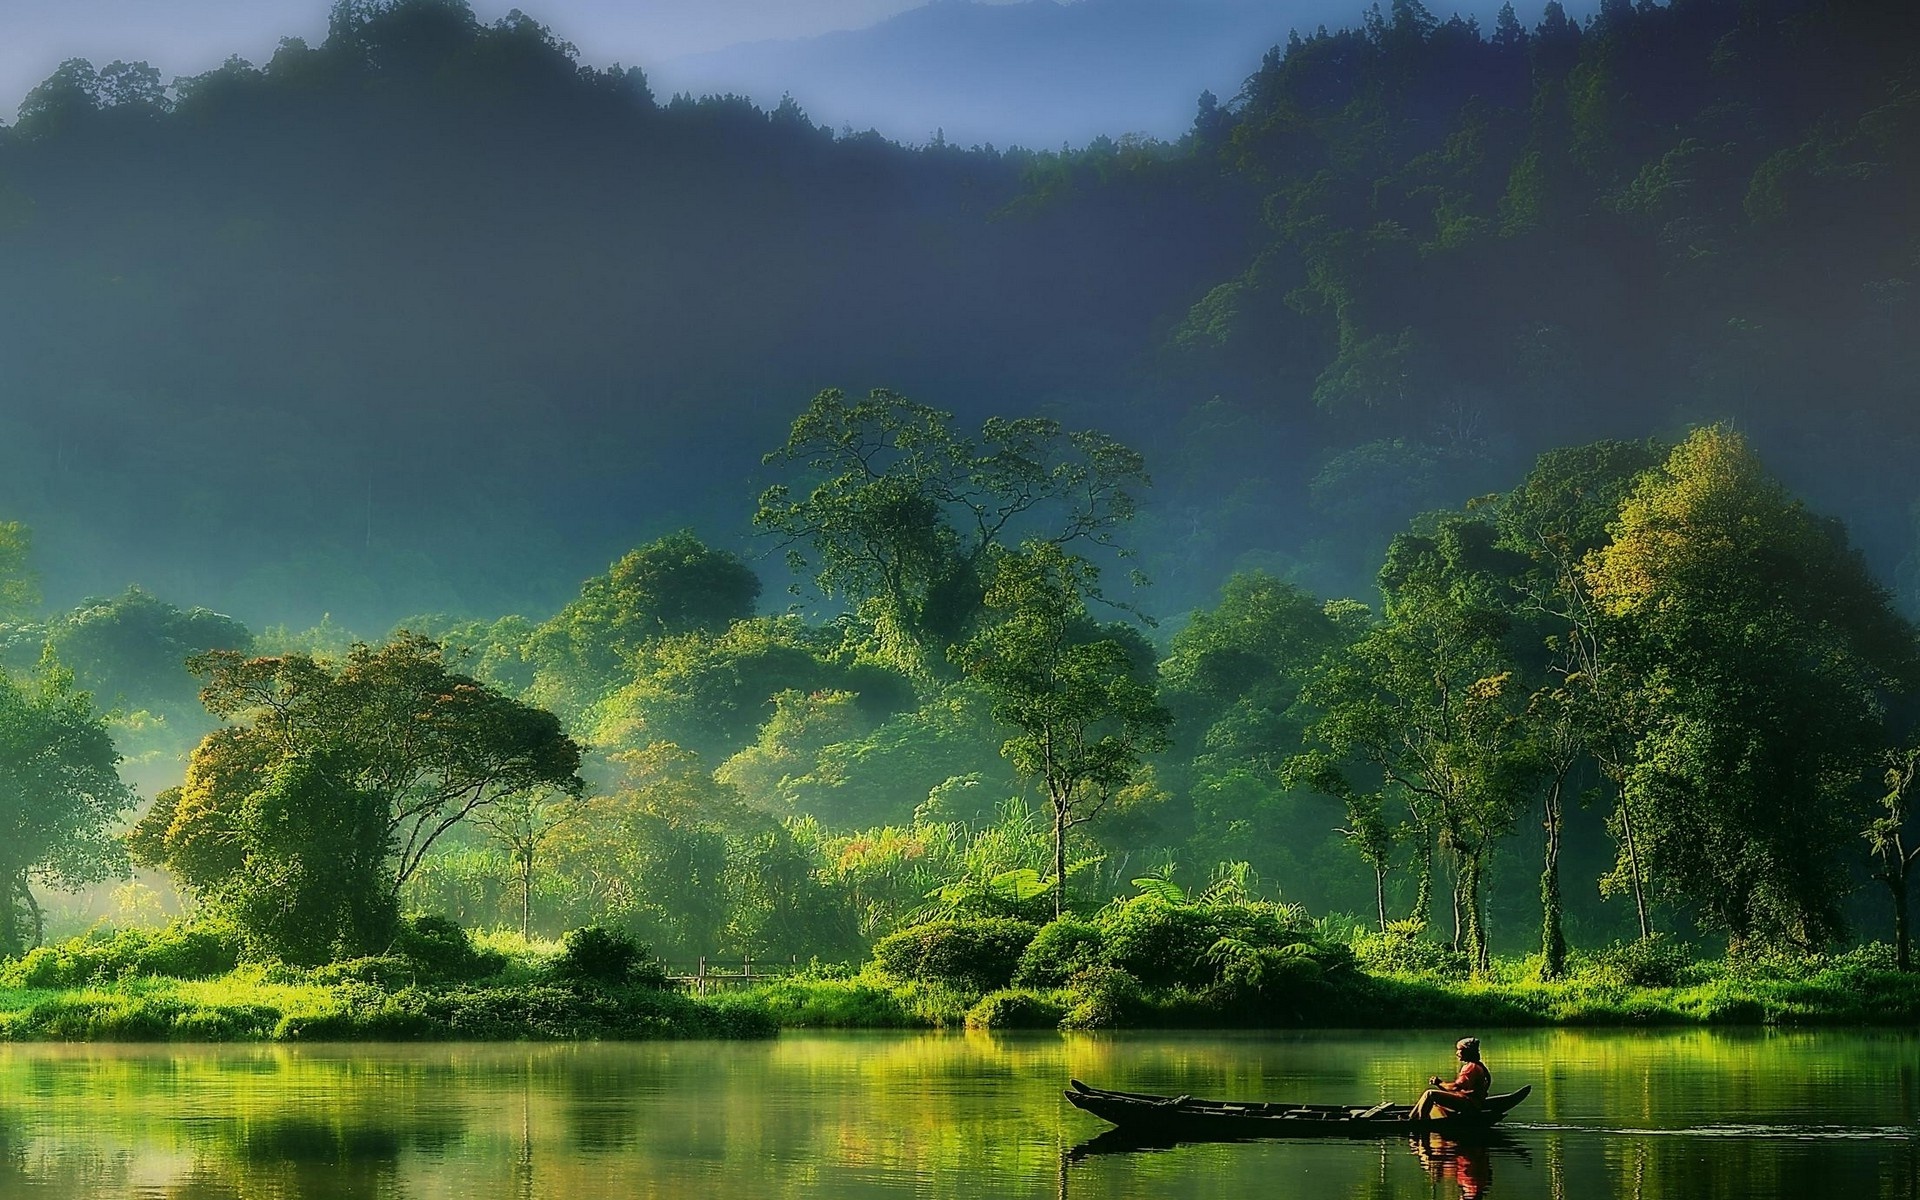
1437,540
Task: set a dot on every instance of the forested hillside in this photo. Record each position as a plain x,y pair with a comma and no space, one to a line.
429,316
1459,389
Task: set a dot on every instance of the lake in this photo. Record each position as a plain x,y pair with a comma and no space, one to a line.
1657,1114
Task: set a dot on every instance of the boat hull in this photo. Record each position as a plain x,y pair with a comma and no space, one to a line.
1183,1118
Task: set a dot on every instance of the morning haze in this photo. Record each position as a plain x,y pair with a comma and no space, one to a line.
1401,560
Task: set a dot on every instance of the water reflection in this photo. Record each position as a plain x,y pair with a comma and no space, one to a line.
1631,1115
1467,1164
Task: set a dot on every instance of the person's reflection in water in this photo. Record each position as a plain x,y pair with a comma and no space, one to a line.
1465,1163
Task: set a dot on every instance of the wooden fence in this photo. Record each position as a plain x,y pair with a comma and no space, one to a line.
712,975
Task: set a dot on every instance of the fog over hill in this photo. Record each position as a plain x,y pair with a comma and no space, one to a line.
1033,72
438,313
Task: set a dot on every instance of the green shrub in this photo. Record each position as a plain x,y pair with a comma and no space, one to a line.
1404,949
1061,950
1016,1008
182,950
97,1018
1653,961
383,971
816,1003
1103,998
978,955
609,957
1168,945
439,949
545,1012
1873,956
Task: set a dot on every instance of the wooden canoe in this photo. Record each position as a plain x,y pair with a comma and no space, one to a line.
1187,1119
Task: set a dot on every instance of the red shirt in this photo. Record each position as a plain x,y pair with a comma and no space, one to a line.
1474,1081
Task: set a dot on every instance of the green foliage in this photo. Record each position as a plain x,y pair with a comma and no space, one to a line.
517,1014
1404,949
1167,945
60,795
1063,950
1656,961
828,1003
312,881
197,950
713,693
1758,651
670,587
441,950
1016,1008
305,819
596,954
978,955
1104,998
19,585
132,650
1075,696
904,512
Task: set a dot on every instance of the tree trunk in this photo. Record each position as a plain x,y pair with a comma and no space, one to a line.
1423,894
1459,907
1475,941
1902,938
1633,867
1553,939
526,891
1380,894
1059,858
39,914
10,919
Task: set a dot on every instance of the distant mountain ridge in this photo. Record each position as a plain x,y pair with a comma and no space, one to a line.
1037,73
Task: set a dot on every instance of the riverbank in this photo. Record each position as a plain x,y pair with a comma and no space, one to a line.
1152,966
1143,966
1839,996
187,985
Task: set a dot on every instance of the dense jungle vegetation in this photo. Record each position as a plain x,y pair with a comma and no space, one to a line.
1461,706
1643,701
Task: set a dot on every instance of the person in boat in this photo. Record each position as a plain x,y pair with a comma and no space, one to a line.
1466,1093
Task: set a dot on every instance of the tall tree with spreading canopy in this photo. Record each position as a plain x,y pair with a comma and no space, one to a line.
377,756
902,511
1079,697
60,796
1758,650
1558,515
1430,701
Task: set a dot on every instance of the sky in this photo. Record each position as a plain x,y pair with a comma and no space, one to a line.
184,37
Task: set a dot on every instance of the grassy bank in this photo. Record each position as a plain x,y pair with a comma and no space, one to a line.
187,985
1146,966
1140,965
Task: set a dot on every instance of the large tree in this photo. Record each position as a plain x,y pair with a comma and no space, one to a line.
671,586
1430,702
1757,650
390,746
901,511
60,796
1078,697
1559,514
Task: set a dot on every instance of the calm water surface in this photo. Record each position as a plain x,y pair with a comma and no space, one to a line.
1613,1114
